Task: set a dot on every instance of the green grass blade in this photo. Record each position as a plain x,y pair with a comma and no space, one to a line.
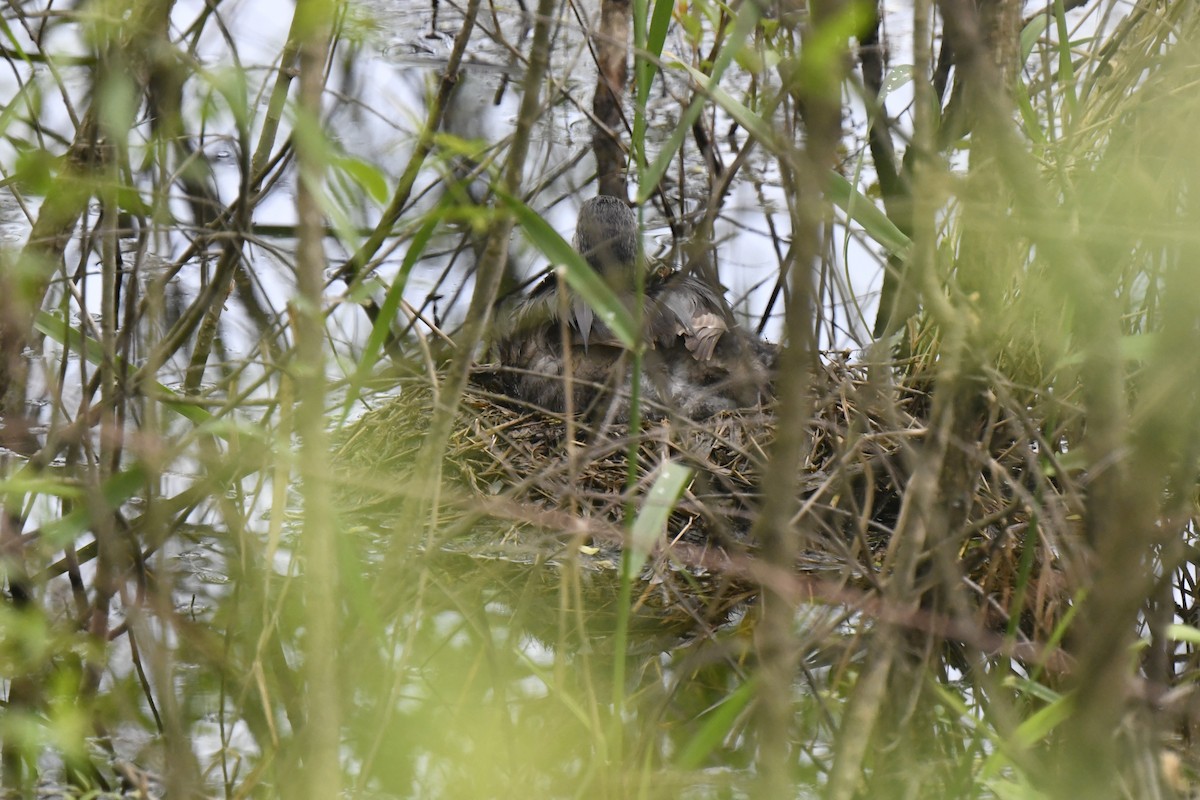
1066,69
656,37
754,124
744,23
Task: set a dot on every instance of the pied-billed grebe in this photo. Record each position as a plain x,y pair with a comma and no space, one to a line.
697,361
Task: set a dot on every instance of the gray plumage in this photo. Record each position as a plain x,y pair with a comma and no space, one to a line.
697,362
606,235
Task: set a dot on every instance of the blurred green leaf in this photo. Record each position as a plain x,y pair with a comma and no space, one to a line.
651,521
875,223
230,83
336,199
1140,347
1033,689
21,484
1031,33
363,290
118,102
14,42
1187,634
1132,347
115,491
130,199
1031,122
895,78
35,168
450,146
26,638
364,174
717,727
1032,730
757,60
828,44
693,28
1038,726
1019,788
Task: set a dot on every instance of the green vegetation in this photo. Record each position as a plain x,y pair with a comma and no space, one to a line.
270,530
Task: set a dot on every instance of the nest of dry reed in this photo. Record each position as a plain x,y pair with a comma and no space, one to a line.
524,486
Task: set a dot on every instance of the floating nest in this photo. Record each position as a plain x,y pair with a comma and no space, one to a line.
526,487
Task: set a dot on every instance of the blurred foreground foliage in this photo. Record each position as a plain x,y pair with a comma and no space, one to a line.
957,562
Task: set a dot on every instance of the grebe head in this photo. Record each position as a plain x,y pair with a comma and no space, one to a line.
606,234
